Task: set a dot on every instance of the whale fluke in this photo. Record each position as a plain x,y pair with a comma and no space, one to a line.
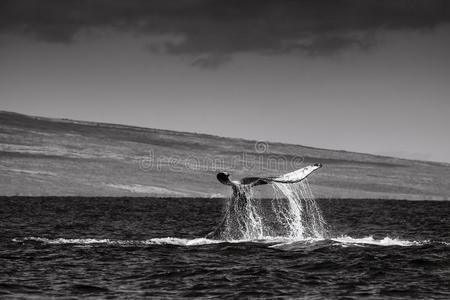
244,216
292,177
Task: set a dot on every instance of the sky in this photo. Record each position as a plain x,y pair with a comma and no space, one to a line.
357,75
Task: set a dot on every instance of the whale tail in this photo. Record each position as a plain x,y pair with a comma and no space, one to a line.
245,217
292,177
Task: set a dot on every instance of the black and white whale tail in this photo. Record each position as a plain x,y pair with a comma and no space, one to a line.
235,217
292,177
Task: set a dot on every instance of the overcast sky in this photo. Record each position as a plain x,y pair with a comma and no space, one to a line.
366,76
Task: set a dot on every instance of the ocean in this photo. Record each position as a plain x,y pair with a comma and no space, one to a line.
131,248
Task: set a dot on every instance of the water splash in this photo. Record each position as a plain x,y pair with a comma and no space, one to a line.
243,217
112,242
292,213
301,216
282,243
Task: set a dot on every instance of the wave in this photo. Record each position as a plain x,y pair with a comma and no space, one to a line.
369,240
93,241
282,243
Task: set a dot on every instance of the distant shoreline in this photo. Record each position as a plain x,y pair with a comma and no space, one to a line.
42,156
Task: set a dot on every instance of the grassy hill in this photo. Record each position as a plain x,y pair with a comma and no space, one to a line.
42,156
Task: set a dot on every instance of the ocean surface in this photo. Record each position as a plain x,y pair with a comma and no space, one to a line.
155,248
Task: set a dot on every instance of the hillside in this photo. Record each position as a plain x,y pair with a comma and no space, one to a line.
42,156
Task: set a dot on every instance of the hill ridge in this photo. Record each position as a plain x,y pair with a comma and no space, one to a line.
59,157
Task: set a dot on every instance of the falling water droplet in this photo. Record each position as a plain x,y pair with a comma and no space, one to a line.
292,213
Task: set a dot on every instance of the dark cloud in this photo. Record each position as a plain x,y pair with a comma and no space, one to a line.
212,61
213,30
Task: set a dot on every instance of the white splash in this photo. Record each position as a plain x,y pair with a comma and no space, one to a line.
94,241
301,216
369,240
243,218
282,243
293,213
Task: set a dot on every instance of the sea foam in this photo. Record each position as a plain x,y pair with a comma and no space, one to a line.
273,242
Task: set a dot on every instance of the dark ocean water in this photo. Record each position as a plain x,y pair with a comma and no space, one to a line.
154,248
